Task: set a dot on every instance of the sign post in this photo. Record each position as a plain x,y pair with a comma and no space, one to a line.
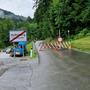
14,48
23,51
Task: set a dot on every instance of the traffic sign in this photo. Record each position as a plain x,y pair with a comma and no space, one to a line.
59,39
16,36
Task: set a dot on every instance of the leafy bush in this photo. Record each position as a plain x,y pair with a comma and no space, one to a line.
29,46
83,33
49,39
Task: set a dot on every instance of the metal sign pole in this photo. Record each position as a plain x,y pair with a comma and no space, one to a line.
14,48
59,33
23,51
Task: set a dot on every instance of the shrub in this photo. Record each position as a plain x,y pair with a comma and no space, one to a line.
83,33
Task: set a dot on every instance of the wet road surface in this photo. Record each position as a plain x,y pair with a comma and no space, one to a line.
63,70
17,77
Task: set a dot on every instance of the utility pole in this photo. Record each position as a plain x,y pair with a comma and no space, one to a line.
69,39
59,33
68,34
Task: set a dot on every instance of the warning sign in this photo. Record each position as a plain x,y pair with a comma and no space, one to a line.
16,36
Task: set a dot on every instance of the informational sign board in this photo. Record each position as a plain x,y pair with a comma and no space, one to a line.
16,36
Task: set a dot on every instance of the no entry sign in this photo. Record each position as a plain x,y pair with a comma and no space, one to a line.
16,36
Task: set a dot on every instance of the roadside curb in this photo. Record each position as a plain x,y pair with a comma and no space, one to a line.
80,50
38,56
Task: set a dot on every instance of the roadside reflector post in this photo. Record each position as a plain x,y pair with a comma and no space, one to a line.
31,51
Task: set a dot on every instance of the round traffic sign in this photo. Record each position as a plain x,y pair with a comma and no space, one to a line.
59,39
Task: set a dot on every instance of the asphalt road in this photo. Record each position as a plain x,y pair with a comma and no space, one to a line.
15,73
17,77
62,70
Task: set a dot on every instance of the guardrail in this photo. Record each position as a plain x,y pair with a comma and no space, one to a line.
35,48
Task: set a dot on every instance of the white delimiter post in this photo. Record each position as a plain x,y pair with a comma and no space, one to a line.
31,51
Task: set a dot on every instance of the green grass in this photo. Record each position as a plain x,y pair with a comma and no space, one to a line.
82,44
29,46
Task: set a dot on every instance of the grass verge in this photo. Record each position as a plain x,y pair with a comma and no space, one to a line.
29,47
82,44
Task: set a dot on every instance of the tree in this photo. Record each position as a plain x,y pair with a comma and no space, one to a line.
52,15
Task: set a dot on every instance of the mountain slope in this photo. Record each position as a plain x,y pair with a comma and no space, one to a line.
7,14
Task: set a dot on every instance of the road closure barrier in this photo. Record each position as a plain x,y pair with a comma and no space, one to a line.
56,45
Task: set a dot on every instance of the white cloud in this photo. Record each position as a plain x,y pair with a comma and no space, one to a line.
19,7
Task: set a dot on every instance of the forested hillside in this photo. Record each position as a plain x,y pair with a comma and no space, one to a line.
7,25
52,15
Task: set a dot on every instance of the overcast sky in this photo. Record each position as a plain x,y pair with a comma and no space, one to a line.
19,7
